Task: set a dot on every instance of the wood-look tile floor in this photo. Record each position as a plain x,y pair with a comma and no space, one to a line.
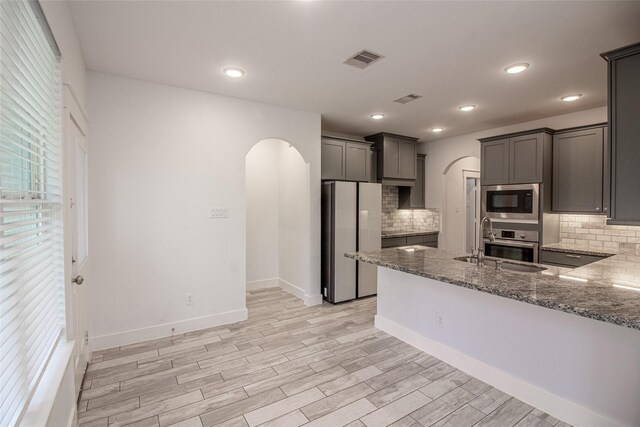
291,365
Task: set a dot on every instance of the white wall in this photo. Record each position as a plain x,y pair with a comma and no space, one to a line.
161,158
294,259
262,192
443,152
73,68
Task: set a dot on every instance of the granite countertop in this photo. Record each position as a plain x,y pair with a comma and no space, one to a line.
606,290
582,250
407,232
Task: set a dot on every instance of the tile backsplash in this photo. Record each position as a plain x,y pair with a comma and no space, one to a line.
592,230
394,218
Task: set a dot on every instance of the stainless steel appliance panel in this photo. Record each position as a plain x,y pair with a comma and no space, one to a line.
339,218
511,249
520,201
369,234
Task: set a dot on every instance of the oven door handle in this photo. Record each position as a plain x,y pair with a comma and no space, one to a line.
510,243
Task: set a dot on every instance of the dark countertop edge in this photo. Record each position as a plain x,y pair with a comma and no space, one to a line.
573,250
409,234
498,292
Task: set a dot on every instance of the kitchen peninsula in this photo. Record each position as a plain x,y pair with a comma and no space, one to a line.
566,341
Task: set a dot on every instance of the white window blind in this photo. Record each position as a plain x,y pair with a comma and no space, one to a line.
31,263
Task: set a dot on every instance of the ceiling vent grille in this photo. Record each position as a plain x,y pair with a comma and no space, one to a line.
363,59
407,98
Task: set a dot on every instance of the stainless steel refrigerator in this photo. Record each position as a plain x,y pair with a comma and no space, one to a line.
351,221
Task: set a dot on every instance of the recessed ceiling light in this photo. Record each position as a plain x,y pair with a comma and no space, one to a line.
437,130
516,68
573,97
378,116
233,72
467,108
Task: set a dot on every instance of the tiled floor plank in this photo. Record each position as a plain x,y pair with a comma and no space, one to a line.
290,365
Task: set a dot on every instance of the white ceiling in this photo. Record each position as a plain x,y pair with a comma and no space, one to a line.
451,53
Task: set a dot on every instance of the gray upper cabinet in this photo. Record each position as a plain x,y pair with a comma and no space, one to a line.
407,152
515,159
333,160
396,158
391,158
345,160
413,197
373,165
624,133
525,159
578,171
357,159
494,169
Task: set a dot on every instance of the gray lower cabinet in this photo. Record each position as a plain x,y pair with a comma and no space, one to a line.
579,171
516,158
343,160
429,240
413,197
396,156
567,259
624,133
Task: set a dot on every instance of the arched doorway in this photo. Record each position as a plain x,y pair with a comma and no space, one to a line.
460,206
278,229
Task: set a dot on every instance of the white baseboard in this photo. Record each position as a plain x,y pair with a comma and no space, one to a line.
263,284
163,330
548,402
305,297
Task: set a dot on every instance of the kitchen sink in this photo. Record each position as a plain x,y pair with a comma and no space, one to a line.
506,265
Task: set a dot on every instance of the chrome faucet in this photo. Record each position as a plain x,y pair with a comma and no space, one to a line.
492,237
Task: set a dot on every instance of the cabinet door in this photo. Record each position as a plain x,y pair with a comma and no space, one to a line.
495,162
625,139
525,164
357,162
373,165
417,191
407,159
333,160
391,158
578,171
606,172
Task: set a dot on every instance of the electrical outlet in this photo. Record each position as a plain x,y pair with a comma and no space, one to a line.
219,212
440,320
188,299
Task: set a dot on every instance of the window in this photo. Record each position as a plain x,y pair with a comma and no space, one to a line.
31,250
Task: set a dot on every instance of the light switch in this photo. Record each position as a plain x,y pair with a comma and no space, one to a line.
219,212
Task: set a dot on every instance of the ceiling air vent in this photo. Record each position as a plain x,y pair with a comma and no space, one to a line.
407,98
363,59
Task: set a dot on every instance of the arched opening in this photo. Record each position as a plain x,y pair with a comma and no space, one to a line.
278,229
461,202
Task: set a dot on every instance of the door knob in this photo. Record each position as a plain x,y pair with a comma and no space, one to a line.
78,280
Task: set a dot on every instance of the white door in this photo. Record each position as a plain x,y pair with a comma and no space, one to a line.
472,210
76,242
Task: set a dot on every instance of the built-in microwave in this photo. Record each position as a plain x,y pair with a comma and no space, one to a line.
517,201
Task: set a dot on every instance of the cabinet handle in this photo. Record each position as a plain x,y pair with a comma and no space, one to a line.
598,209
606,209
574,256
